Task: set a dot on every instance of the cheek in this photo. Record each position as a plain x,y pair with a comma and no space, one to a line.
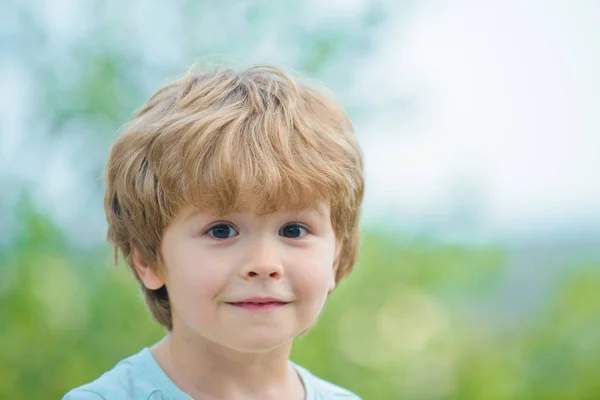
313,270
194,275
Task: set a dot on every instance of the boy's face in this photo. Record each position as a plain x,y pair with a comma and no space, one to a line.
247,282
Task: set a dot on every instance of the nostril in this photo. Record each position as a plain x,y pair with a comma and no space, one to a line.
253,274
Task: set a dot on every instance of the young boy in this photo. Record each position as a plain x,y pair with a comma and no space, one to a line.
235,198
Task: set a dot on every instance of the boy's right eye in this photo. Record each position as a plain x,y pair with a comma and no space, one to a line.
222,231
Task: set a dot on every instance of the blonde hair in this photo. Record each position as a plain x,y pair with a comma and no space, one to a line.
211,140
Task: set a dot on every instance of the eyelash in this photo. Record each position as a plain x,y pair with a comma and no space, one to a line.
216,226
307,231
296,224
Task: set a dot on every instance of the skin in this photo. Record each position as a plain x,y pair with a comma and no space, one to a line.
217,350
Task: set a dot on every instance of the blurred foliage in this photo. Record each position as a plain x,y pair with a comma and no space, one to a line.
417,318
395,329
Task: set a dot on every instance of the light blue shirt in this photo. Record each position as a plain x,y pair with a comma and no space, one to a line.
139,377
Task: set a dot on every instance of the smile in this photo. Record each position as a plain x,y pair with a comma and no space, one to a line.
254,306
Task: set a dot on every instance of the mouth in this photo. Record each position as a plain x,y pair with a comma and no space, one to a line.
259,304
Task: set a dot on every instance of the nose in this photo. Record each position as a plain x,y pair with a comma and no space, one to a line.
262,271
262,262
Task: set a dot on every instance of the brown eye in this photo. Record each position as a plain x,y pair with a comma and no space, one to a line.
293,231
222,231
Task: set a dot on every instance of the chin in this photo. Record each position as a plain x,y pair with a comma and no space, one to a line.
259,343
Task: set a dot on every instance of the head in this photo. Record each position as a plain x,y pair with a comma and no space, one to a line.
229,185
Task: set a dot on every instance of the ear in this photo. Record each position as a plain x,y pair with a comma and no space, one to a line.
149,278
336,264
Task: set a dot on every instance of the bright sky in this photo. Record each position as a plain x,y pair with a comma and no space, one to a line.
506,113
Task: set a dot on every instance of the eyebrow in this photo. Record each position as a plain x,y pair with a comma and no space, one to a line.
190,214
313,212
318,208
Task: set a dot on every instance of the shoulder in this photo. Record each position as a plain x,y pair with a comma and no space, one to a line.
126,380
82,394
318,388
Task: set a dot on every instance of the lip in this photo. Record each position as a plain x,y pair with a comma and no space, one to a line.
261,300
259,304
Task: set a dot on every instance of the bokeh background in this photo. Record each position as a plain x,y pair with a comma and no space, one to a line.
479,275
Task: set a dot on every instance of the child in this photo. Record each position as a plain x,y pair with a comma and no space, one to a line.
235,198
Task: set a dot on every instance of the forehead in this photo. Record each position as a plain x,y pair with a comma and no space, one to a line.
320,208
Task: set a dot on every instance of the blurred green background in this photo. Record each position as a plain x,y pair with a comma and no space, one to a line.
426,314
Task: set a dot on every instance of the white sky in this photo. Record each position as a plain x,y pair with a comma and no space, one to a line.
507,108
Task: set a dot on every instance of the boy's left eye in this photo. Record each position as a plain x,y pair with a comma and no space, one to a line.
293,231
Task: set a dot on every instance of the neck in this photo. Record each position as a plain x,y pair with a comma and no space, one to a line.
207,370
